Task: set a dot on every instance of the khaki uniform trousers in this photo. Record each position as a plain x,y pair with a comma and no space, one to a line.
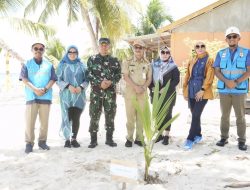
32,110
133,120
227,101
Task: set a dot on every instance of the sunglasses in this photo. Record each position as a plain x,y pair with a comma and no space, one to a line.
200,46
40,49
72,52
232,36
138,47
165,52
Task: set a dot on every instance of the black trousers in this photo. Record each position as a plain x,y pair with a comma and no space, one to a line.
196,110
168,117
74,116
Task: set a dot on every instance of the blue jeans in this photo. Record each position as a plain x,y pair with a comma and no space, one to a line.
196,110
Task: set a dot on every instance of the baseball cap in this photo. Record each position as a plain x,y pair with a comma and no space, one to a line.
104,40
139,42
232,30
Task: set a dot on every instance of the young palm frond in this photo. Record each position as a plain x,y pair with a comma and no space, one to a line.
152,120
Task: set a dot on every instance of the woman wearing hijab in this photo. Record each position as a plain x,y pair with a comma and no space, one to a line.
72,81
197,89
165,70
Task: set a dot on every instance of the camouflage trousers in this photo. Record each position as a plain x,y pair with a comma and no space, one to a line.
107,100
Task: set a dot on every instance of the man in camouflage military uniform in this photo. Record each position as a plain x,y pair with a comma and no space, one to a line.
138,75
104,73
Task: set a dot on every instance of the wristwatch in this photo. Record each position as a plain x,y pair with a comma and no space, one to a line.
46,89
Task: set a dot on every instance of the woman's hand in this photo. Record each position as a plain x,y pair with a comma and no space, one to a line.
199,95
72,89
78,90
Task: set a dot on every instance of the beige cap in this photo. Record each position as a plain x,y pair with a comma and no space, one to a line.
232,30
139,42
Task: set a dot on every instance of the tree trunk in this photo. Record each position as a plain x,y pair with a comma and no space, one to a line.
97,28
85,16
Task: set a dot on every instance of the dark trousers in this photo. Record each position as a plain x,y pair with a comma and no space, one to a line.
167,118
196,110
74,116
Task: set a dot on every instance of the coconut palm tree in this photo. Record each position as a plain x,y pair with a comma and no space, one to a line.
155,16
102,17
54,51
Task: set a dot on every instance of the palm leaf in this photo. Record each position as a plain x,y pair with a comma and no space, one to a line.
73,8
31,27
151,120
7,5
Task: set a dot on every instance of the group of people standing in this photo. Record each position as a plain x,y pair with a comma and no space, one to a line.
104,71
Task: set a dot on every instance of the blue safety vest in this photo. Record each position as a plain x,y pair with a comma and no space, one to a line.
233,70
39,76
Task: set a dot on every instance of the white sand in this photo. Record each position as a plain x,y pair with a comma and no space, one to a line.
205,167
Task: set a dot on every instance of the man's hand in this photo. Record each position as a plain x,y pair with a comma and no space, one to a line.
39,91
139,89
105,84
230,84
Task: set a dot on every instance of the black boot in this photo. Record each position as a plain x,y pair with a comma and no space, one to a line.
93,142
109,139
165,140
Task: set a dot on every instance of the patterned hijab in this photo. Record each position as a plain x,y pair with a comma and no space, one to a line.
66,59
161,68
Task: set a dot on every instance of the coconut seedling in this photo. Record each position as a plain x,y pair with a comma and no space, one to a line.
152,118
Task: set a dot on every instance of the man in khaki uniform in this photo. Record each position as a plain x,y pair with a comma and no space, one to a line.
138,75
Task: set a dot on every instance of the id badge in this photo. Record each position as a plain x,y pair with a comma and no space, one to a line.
144,75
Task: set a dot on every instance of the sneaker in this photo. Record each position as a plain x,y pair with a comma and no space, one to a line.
242,146
74,143
197,139
188,144
67,144
139,143
43,145
28,148
128,143
222,142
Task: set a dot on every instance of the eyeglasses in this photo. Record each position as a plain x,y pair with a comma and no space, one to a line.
72,52
40,49
232,36
200,46
138,47
165,52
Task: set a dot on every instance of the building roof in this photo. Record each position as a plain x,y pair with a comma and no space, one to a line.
153,41
187,18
